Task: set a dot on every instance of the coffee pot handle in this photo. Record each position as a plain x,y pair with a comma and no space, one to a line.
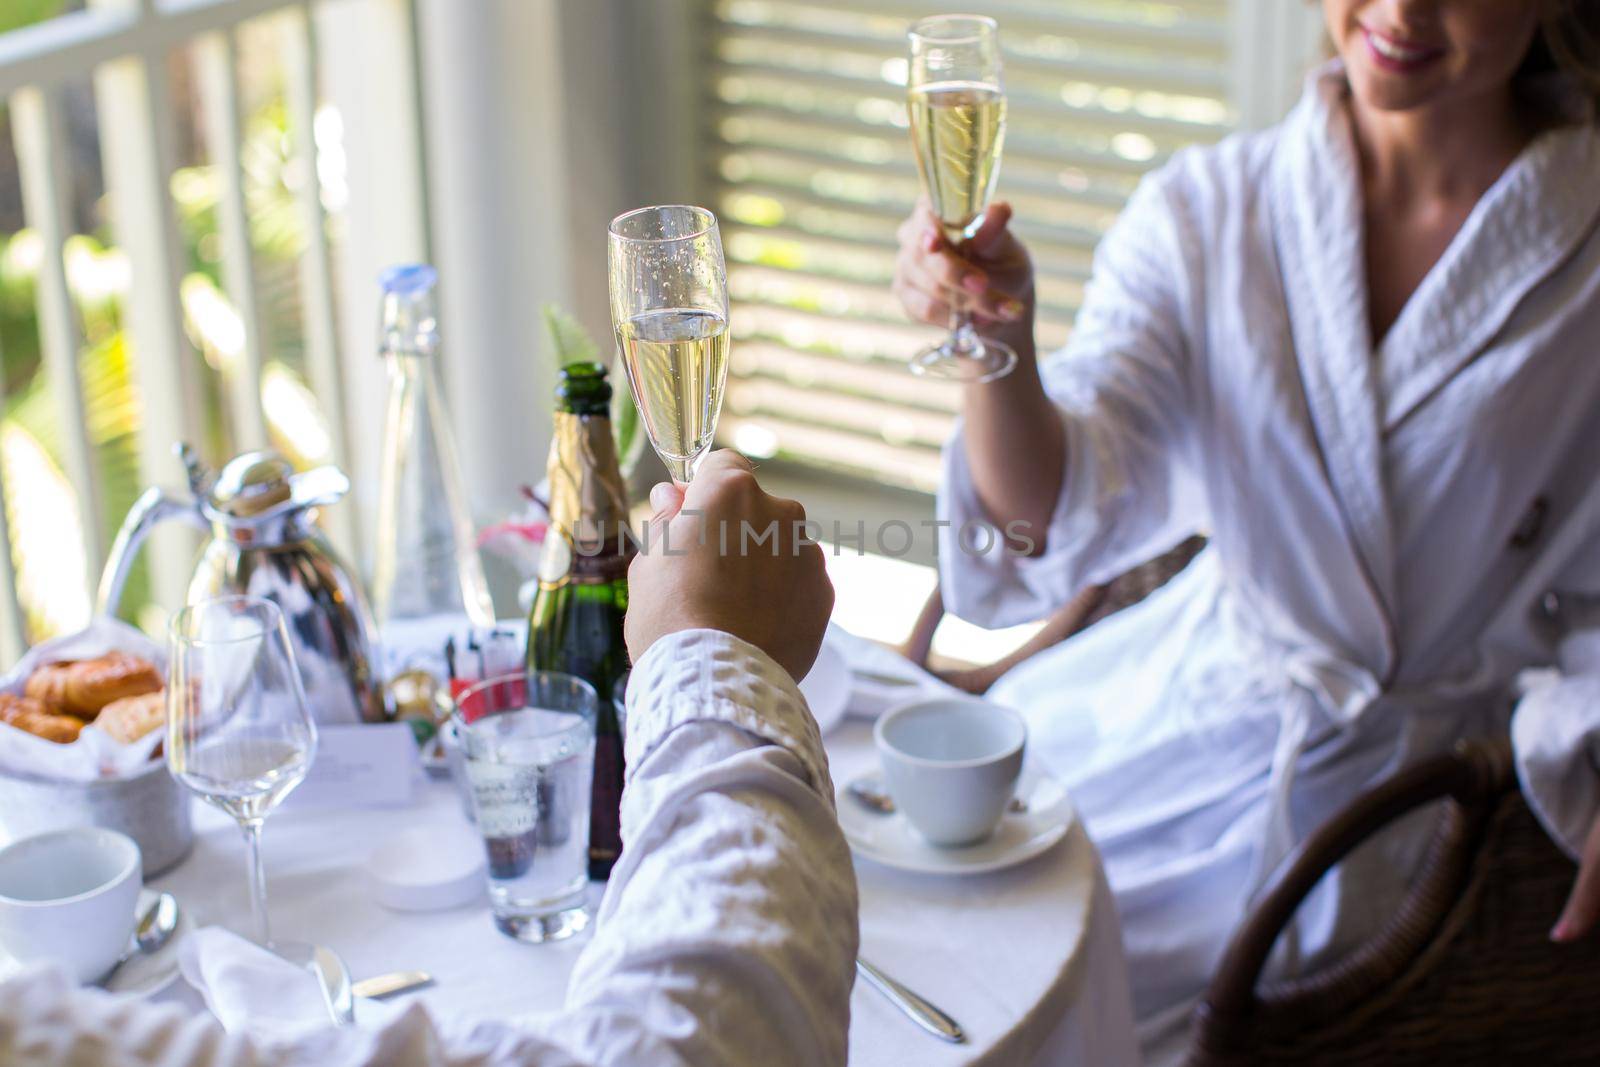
153,507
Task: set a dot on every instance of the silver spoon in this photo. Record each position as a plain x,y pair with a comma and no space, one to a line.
155,929
871,794
333,979
913,1006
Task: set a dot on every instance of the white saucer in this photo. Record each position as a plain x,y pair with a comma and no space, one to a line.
890,840
141,976
428,868
827,687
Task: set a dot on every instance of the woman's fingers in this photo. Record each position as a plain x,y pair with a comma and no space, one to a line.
997,306
932,277
1582,912
988,305
944,273
921,306
993,228
921,229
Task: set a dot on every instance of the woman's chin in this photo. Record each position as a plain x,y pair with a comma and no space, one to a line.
1385,91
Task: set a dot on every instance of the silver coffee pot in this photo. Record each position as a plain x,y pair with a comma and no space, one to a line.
261,516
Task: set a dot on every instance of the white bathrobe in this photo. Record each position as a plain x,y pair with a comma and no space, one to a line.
1384,522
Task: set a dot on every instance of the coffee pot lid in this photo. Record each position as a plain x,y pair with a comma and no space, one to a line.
252,484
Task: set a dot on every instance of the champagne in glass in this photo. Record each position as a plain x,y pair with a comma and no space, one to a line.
958,128
957,109
669,307
679,360
238,733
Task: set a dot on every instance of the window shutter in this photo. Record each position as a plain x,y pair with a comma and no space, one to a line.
811,171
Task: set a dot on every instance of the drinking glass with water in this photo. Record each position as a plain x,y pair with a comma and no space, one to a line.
527,741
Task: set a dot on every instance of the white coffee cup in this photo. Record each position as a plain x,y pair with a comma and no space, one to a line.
951,764
68,897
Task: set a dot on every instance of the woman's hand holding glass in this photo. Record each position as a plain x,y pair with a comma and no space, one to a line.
993,279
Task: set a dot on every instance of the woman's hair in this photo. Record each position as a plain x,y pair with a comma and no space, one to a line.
1561,75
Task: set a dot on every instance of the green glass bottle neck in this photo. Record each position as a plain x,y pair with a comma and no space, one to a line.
583,390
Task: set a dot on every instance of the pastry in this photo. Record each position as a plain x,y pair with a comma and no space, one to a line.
26,713
130,718
82,687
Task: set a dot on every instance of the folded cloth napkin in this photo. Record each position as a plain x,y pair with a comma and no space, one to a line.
881,678
253,992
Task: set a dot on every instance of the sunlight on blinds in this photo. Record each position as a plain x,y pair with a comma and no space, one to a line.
812,171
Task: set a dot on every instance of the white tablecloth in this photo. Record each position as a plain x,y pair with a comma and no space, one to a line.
1029,960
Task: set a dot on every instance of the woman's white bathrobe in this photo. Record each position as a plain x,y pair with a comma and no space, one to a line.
1384,522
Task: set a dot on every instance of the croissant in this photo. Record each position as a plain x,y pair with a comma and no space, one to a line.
130,718
83,687
26,713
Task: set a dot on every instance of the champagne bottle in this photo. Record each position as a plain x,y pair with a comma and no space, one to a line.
576,623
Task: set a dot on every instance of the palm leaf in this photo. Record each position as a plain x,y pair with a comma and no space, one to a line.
570,340
114,421
17,13
625,425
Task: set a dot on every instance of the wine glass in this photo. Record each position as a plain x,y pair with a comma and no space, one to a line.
957,109
238,733
669,307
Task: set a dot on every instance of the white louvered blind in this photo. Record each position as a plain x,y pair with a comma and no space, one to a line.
811,171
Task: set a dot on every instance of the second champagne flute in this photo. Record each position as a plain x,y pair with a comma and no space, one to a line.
238,733
669,306
957,109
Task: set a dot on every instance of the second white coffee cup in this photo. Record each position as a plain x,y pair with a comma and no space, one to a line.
951,764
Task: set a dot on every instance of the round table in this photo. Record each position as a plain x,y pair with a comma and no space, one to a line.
1028,960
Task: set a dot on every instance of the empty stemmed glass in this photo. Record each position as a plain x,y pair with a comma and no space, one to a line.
669,307
238,733
957,109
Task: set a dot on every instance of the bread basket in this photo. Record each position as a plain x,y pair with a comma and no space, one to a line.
93,782
150,807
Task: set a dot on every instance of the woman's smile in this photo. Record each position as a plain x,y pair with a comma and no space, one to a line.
1397,54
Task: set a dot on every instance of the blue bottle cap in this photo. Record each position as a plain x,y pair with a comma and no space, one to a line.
409,279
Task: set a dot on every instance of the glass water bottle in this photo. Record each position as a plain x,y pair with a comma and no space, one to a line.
427,563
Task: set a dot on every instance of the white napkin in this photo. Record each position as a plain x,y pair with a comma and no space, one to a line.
872,666
253,992
95,754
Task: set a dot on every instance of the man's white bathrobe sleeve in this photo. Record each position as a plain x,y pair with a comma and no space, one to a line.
727,936
1122,386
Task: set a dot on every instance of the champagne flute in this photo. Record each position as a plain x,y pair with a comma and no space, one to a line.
669,307
238,733
957,109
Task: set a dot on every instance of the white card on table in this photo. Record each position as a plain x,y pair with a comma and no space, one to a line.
361,766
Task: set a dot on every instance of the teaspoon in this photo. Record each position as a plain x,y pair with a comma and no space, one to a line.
155,929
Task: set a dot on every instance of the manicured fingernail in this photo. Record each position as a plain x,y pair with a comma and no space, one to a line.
662,496
976,284
1562,932
1011,309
